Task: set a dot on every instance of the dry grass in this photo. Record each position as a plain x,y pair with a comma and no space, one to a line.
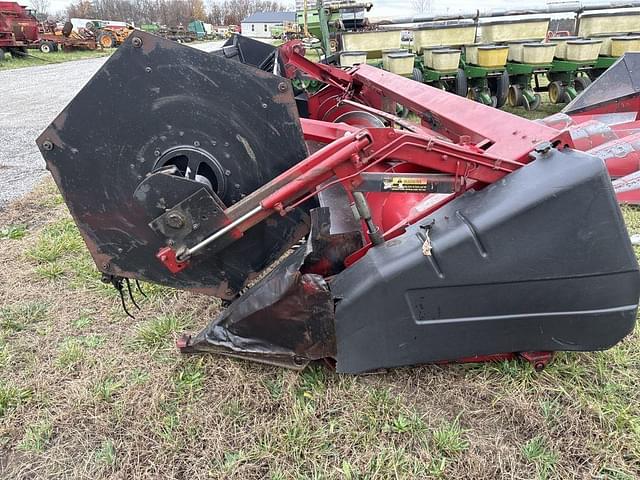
86,392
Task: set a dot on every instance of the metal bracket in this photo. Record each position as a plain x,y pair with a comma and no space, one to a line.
190,220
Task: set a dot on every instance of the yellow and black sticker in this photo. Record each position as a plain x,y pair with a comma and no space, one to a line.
406,184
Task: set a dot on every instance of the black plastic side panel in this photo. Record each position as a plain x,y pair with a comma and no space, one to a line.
247,50
620,81
538,261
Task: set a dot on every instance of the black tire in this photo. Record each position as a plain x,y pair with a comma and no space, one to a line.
417,75
580,83
47,47
515,96
557,92
1,54
595,73
494,101
68,28
502,90
18,52
106,40
460,86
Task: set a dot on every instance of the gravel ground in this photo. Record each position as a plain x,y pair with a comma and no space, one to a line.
30,99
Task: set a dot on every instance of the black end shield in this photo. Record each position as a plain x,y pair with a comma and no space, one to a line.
214,127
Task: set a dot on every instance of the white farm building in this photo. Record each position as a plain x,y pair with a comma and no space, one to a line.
258,25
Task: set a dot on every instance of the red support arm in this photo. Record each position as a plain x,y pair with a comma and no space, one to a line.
462,140
293,55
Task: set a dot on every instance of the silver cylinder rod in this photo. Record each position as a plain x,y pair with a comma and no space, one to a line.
223,231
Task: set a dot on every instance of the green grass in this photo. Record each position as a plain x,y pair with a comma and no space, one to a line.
550,409
107,454
36,436
71,355
160,331
104,390
13,232
139,376
37,58
50,271
274,386
11,396
536,452
82,321
55,241
449,438
190,379
407,423
93,341
19,316
6,355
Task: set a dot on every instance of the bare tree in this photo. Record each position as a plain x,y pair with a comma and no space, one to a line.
232,12
81,9
421,6
41,6
170,12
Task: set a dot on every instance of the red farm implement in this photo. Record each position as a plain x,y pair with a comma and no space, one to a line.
603,121
469,235
18,29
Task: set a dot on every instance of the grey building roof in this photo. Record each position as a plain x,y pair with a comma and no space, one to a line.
270,17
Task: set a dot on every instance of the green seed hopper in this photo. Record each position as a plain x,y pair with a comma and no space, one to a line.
528,60
602,37
494,57
526,56
371,41
326,21
438,48
569,75
197,28
485,68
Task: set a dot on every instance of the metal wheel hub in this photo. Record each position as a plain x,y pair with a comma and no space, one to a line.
196,164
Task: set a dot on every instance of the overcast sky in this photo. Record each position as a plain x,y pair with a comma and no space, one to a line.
390,8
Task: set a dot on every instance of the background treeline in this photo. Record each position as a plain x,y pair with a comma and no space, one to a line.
171,12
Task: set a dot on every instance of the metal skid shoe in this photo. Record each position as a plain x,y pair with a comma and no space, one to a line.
482,94
559,92
370,241
530,100
524,79
521,94
567,87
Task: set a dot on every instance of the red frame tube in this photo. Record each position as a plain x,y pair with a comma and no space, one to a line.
451,140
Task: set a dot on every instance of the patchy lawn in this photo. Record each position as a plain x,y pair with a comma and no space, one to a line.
86,392
37,58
